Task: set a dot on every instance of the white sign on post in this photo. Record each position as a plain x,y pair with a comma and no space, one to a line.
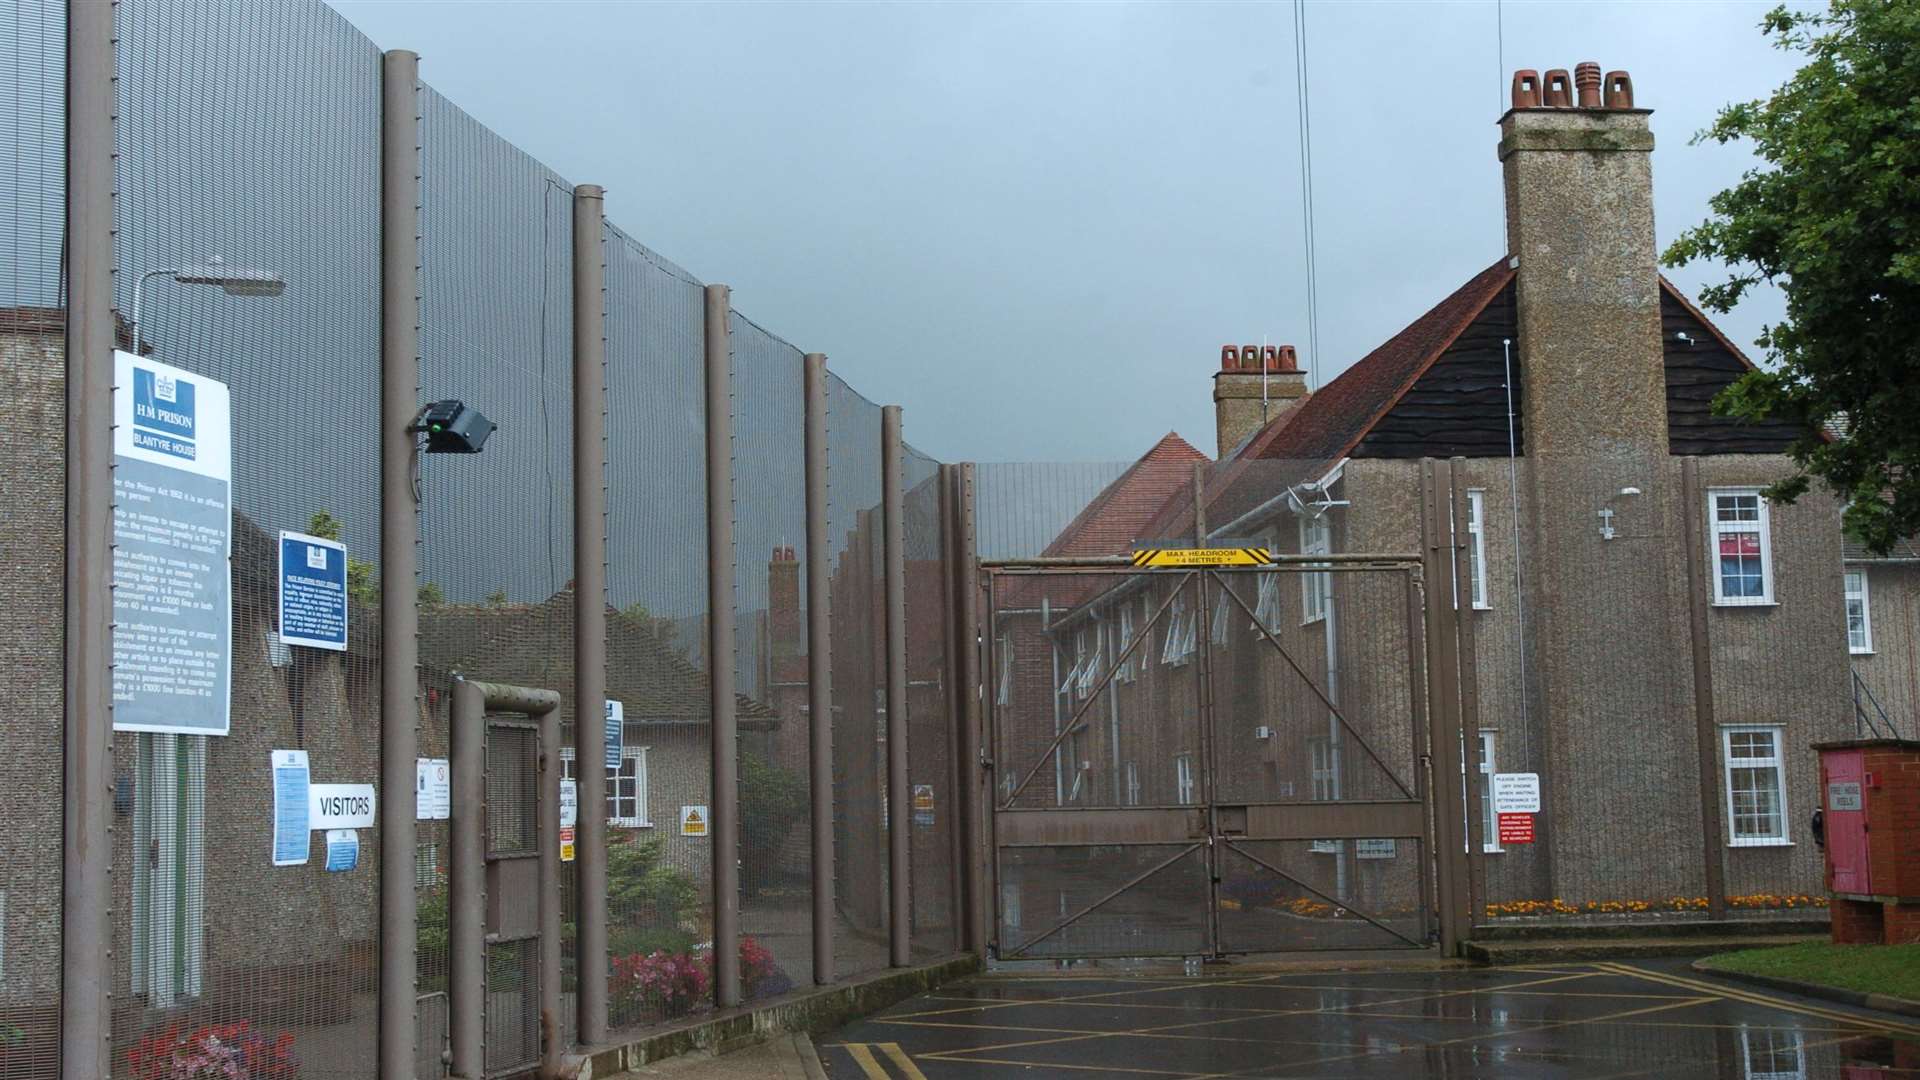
1516,793
341,806
569,803
432,789
693,821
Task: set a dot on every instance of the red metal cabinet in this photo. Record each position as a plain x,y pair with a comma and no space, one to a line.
1843,786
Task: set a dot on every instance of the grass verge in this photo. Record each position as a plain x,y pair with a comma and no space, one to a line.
1873,969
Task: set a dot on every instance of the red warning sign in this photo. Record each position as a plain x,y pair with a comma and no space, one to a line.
1516,829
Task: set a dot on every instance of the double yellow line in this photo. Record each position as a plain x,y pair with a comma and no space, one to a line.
862,1054
1752,997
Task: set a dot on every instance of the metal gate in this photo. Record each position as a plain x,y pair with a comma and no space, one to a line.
1212,760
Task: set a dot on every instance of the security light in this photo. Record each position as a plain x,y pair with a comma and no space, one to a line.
452,428
233,280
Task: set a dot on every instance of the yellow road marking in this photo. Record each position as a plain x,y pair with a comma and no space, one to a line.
862,1056
900,1058
1750,997
948,1056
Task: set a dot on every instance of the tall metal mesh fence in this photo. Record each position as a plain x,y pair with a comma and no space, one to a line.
248,251
860,822
33,376
932,727
659,869
247,151
770,661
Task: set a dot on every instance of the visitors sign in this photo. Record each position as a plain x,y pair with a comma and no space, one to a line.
341,806
172,537
1516,793
313,592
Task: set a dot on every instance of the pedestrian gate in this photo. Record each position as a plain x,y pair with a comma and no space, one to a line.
1205,761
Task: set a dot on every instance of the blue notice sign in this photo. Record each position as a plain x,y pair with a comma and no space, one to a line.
313,592
343,850
291,836
616,730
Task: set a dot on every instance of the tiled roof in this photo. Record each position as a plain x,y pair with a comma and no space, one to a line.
1118,515
1322,429
532,645
1852,550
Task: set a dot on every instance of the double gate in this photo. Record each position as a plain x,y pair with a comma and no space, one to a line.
1206,761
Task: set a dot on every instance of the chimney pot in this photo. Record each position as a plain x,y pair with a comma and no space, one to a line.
1619,90
1229,358
1586,79
1526,89
1250,358
1269,357
1289,360
1558,93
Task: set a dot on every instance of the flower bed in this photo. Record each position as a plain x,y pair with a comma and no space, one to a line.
213,1052
1670,905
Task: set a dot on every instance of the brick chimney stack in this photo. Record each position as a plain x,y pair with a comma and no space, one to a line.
1255,384
789,651
1576,156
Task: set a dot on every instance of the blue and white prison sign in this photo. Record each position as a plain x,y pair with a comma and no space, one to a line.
313,592
172,535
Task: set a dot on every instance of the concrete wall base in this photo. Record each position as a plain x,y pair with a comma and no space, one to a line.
804,1011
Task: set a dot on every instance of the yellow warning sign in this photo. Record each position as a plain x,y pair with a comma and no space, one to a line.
693,821
1203,557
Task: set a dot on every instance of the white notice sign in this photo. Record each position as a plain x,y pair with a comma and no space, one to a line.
569,804
1374,849
693,821
432,789
1516,793
341,806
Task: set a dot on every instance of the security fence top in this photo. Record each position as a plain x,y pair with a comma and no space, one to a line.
1056,563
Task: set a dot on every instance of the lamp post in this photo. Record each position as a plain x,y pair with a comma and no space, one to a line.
234,281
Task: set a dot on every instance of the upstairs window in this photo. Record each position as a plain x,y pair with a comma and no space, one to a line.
1178,648
1087,670
1859,621
1222,608
1742,548
1477,547
1124,672
1003,656
1266,607
1316,590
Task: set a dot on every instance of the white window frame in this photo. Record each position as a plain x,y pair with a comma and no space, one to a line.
1489,821
1776,761
1003,655
1316,589
1855,583
1222,612
1477,547
1087,664
1124,637
1717,528
639,819
1133,784
1183,778
1320,767
1178,648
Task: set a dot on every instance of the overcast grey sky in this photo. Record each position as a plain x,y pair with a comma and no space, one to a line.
1033,225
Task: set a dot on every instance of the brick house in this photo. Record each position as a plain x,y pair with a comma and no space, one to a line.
1575,381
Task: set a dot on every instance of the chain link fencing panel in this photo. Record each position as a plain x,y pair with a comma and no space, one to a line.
659,866
932,727
859,641
770,661
248,152
32,485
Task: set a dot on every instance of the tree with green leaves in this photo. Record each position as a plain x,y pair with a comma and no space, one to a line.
1832,217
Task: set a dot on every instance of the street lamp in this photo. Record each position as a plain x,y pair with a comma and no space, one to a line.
234,281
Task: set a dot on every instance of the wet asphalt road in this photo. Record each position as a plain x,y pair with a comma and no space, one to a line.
1645,1018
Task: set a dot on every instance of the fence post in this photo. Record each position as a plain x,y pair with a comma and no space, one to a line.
467,882
1706,734
1473,828
819,667
953,685
1443,695
899,800
590,607
86,976
399,531
723,816
975,878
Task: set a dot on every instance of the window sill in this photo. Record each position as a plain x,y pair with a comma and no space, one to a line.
1493,851
1859,652
1735,605
624,823
1737,844
1483,607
